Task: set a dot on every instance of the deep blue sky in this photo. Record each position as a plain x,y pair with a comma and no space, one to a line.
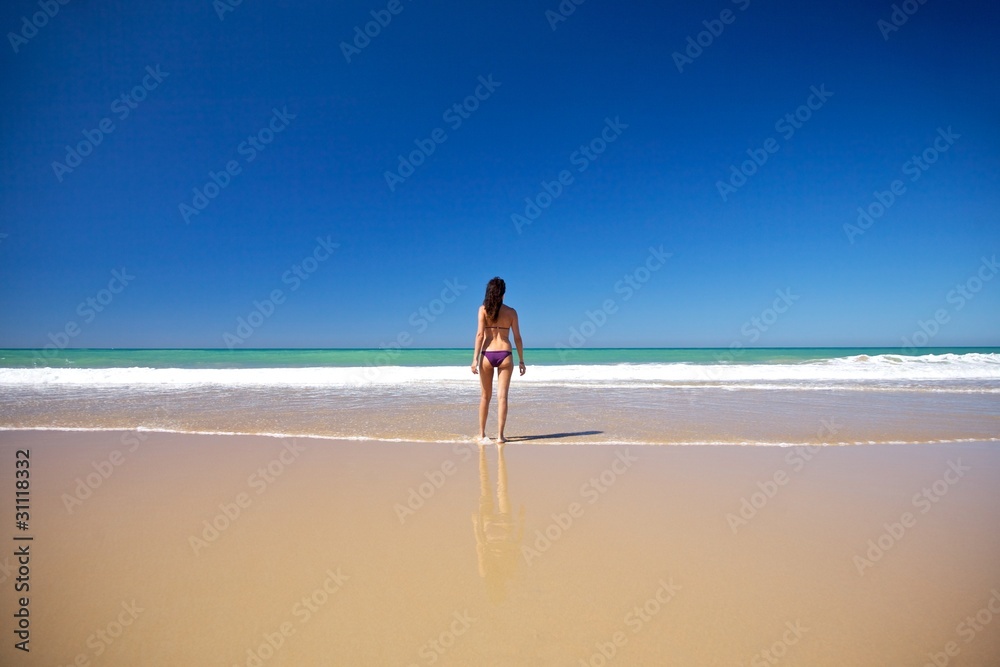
324,173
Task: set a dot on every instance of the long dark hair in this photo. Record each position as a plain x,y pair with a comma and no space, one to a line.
495,289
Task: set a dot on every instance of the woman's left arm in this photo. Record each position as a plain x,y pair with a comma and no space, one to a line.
477,347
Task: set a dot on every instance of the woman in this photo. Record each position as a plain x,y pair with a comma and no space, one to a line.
492,351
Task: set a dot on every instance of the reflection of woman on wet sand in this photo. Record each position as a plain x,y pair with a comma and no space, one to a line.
498,538
493,351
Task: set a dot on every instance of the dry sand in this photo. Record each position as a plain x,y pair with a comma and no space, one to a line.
647,557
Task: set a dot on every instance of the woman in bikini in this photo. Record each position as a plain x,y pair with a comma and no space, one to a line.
493,351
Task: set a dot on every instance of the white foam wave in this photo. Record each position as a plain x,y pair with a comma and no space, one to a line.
976,369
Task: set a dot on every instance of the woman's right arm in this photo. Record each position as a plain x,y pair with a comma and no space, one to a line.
515,326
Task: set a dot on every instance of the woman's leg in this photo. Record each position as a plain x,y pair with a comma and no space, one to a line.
504,371
486,380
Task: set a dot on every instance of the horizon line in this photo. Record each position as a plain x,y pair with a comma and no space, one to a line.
562,349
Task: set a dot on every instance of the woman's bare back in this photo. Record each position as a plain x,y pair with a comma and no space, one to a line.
499,331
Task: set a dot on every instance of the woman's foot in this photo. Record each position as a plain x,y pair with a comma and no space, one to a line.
482,440
501,440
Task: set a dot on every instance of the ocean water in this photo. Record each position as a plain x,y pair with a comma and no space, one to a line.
786,396
307,358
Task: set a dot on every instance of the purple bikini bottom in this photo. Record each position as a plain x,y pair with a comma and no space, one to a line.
496,357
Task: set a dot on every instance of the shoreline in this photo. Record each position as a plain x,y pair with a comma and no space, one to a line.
555,438
241,546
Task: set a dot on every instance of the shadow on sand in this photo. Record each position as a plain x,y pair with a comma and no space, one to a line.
550,436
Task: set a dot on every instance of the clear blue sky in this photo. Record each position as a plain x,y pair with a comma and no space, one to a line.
209,83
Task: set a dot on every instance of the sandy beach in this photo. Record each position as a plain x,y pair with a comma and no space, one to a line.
162,549
277,276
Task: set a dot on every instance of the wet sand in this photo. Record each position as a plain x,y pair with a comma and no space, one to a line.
593,414
358,553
